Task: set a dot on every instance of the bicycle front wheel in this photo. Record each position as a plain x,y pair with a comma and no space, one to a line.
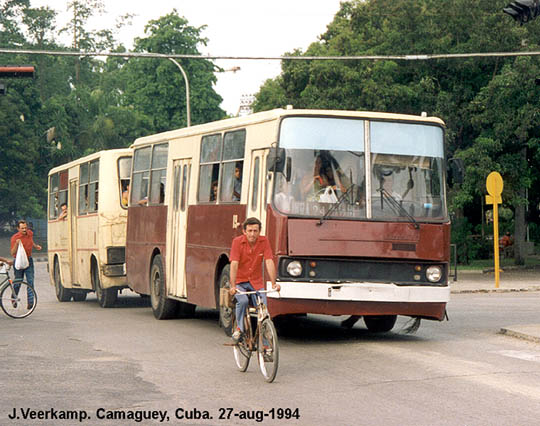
268,350
242,353
18,300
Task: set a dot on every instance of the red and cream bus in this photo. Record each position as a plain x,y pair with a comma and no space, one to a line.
353,204
87,226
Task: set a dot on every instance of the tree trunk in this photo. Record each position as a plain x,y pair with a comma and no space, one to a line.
520,227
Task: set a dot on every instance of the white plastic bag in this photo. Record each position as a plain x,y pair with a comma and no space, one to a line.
21,260
329,196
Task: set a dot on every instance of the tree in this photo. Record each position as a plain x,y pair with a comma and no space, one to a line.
156,88
445,87
507,114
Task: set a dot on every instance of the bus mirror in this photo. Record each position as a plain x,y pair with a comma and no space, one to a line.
456,171
276,160
288,169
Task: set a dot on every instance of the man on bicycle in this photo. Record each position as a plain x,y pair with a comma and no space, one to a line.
247,254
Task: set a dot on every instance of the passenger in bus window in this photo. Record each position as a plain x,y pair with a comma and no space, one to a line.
213,191
63,211
237,186
125,196
283,200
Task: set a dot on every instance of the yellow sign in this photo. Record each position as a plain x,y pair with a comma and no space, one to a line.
494,186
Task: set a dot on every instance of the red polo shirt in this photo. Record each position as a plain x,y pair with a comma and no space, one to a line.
250,259
27,241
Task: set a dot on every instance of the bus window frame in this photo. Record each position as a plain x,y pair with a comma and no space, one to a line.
91,183
57,194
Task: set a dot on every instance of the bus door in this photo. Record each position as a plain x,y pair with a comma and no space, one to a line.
257,197
178,227
72,217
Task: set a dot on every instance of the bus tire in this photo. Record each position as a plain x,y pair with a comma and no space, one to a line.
226,315
380,323
79,296
185,310
162,307
106,297
62,294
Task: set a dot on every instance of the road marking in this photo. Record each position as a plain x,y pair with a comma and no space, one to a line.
434,365
527,356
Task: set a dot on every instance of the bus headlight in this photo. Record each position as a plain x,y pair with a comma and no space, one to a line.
294,268
434,273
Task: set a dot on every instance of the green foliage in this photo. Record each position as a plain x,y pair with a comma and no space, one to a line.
490,105
90,103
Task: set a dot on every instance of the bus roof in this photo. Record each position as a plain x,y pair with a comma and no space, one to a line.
91,157
259,117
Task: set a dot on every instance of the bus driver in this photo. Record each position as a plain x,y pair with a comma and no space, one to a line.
247,253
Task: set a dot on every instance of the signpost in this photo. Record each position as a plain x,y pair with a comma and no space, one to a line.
495,185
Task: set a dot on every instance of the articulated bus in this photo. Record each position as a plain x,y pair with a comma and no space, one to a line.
353,204
87,226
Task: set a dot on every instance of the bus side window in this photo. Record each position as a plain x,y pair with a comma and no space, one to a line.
53,196
84,175
124,172
233,166
141,175
158,175
209,171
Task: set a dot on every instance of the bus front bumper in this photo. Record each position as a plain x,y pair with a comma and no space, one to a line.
362,298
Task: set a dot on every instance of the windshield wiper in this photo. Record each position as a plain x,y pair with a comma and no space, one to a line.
336,204
396,205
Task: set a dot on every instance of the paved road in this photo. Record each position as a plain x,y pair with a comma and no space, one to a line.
77,356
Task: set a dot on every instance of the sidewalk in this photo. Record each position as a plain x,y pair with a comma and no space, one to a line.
512,279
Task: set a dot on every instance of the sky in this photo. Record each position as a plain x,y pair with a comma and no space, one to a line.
234,28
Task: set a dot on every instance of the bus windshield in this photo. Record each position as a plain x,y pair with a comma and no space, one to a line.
332,172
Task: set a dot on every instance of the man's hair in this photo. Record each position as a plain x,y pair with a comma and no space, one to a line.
251,221
21,222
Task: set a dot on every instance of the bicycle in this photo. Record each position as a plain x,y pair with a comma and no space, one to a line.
17,298
263,339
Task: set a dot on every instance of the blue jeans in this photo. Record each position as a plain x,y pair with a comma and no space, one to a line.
29,273
242,302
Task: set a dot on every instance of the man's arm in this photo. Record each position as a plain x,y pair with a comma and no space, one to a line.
36,246
271,269
4,260
234,272
14,247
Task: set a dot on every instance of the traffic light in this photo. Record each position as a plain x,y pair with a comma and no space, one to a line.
15,71
523,10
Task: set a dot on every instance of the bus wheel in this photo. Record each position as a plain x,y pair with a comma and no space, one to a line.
106,297
62,294
185,310
79,296
380,324
162,307
226,315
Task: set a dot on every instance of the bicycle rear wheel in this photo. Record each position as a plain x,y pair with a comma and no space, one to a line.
268,350
18,300
242,353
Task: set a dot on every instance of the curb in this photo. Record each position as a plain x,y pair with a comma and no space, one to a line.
496,290
520,335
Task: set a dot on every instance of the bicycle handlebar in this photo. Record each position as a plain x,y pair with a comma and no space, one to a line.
255,292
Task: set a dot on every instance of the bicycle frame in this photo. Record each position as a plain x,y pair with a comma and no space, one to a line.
261,311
